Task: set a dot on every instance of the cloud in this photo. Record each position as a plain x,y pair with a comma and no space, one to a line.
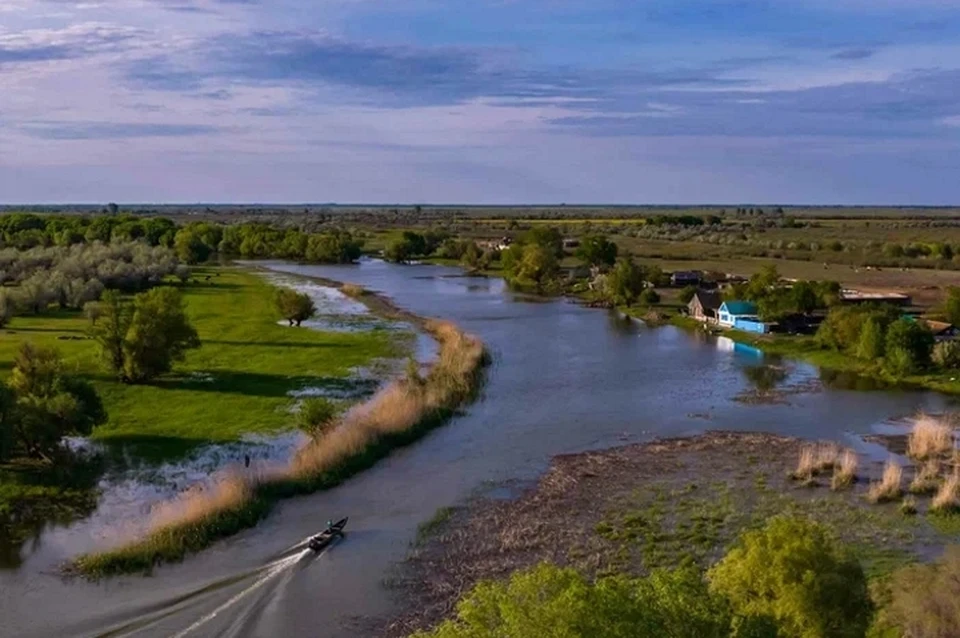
853,54
76,41
113,130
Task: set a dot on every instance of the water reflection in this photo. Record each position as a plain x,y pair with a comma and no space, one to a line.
764,378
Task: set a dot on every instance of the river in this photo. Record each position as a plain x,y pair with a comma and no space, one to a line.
564,379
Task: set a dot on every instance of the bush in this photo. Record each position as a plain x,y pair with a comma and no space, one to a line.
946,354
295,307
921,600
908,346
649,297
7,307
316,416
792,572
551,601
686,295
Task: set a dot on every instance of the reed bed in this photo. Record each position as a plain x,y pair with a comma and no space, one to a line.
397,415
888,487
816,459
927,479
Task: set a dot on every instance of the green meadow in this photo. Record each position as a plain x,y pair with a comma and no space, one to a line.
236,383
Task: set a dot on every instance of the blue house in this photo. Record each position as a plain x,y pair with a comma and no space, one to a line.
741,315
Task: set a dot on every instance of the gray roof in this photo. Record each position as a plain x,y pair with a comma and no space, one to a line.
709,299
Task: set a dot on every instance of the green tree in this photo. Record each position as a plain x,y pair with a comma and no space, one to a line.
48,404
625,282
159,334
530,266
792,572
295,307
872,342
908,346
687,293
946,354
805,298
649,297
560,603
951,306
110,331
545,236
597,250
190,246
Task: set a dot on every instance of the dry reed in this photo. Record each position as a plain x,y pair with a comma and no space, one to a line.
888,487
827,456
353,290
845,472
927,479
930,438
807,465
947,498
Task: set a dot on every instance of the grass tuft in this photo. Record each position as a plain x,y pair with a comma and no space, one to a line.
888,487
927,479
947,499
845,472
930,438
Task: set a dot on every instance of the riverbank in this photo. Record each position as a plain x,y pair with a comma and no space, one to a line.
666,503
397,415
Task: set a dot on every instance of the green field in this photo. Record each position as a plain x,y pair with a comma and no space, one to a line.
236,383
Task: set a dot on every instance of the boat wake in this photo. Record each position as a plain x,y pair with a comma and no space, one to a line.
268,582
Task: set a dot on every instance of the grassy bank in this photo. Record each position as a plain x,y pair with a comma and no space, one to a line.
236,383
398,415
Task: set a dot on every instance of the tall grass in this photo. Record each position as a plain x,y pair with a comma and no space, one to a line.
927,479
947,498
397,415
845,473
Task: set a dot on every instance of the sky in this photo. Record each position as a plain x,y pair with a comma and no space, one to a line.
480,101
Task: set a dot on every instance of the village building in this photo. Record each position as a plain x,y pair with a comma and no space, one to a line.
741,315
704,306
942,331
683,278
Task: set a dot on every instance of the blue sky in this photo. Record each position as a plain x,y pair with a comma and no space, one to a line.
481,101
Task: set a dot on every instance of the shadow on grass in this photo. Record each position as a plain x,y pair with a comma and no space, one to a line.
258,384
148,449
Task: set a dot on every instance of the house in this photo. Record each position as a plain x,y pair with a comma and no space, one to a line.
683,278
850,296
942,331
741,315
704,305
571,243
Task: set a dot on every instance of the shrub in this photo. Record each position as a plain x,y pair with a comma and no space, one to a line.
793,572
7,307
946,354
922,600
649,297
908,346
687,293
316,416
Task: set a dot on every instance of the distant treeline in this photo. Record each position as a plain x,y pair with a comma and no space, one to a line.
193,242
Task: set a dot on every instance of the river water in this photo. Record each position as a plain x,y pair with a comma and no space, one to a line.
564,379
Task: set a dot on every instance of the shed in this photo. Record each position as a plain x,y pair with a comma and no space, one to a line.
686,278
942,331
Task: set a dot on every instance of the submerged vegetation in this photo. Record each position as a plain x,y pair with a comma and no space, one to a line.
398,414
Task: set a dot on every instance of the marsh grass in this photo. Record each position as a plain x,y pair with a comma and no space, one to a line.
845,472
908,506
396,416
927,479
888,487
353,290
816,459
947,498
930,438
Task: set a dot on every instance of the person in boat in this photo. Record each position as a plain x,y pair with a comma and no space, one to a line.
329,529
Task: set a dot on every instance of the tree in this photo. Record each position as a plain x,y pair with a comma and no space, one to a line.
908,346
294,306
111,331
872,342
792,572
625,282
112,208
159,334
597,250
551,601
804,297
687,293
7,307
546,236
190,246
649,296
951,306
529,266
48,404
